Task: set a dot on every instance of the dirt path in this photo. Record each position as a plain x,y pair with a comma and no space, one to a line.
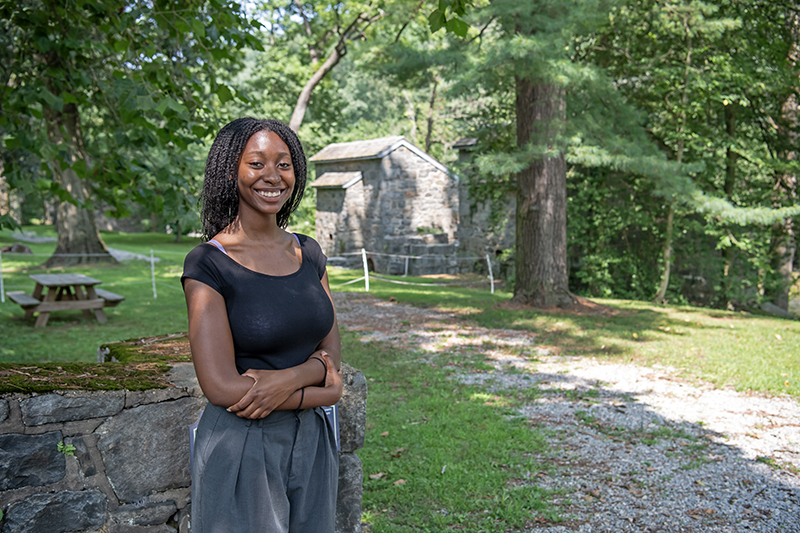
637,448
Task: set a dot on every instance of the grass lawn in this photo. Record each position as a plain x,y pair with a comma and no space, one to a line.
437,456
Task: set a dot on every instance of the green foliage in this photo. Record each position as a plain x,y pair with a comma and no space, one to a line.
613,234
438,18
66,449
131,83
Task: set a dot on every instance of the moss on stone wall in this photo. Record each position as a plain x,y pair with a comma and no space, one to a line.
133,364
163,348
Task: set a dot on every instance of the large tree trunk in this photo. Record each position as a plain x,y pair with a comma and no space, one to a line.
666,252
783,243
782,250
78,238
731,157
541,259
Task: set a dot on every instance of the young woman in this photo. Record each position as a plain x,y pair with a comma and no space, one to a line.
265,344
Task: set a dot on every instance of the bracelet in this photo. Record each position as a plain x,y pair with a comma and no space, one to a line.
302,395
326,369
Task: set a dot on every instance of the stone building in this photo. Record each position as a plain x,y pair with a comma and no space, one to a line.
411,213
390,198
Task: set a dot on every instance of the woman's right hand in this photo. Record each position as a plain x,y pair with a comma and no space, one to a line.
333,380
271,389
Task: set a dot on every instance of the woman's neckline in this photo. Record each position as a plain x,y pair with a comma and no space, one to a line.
221,249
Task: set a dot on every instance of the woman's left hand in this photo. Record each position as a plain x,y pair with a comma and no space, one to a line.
271,389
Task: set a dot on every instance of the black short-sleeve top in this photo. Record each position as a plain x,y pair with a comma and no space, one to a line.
276,321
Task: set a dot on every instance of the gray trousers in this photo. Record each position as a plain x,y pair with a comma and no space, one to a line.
274,475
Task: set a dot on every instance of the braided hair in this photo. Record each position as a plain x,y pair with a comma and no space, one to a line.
220,196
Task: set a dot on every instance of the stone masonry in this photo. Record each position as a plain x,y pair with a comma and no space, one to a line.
389,197
126,466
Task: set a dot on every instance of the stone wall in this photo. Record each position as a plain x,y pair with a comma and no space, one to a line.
477,232
129,470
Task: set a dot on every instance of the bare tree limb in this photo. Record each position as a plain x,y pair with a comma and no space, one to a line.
312,50
431,114
355,30
399,33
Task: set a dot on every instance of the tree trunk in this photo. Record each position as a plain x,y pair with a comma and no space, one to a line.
782,250
783,244
666,253
729,252
412,117
79,241
541,258
354,30
305,95
431,115
666,256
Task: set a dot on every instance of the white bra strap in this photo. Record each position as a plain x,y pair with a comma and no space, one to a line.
218,245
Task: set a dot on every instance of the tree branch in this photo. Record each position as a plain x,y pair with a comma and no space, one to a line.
312,50
399,33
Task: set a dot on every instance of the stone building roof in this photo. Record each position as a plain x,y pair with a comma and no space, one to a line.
372,149
369,149
334,180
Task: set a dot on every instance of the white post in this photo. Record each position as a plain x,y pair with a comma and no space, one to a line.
153,272
405,273
2,291
491,276
366,268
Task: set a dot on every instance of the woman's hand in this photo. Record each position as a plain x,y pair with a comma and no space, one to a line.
271,389
333,380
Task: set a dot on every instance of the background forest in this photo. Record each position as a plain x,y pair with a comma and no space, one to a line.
676,119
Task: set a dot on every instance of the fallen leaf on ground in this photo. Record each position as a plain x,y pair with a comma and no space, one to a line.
385,434
399,482
379,475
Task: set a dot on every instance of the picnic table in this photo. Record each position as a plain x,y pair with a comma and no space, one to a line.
65,292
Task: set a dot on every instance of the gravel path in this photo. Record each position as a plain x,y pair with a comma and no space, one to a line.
634,448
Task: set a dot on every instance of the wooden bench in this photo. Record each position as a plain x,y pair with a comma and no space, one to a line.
23,299
111,299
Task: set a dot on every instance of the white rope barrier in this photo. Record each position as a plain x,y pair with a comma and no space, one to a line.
348,282
407,257
408,282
